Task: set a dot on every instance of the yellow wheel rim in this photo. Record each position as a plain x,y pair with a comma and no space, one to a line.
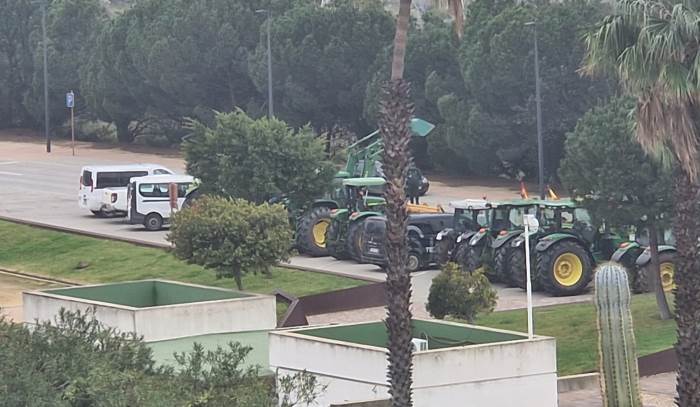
666,271
319,232
568,269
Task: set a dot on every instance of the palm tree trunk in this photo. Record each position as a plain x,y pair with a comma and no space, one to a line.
686,228
655,278
400,40
395,128
394,125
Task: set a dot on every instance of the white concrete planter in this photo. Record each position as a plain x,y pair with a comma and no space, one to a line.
497,369
158,309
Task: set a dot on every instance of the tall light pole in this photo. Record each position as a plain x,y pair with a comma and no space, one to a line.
270,108
46,78
538,101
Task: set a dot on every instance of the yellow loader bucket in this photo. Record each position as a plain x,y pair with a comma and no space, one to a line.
424,208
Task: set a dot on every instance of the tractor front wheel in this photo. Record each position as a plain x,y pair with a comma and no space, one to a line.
355,240
516,260
311,232
335,246
564,269
442,251
501,268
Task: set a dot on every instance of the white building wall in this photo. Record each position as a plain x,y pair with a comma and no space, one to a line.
43,307
517,373
256,313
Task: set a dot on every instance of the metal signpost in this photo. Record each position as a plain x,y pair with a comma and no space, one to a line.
531,226
70,103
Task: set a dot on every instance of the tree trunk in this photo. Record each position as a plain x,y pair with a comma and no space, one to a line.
686,228
395,128
457,11
124,136
394,125
400,40
238,276
655,278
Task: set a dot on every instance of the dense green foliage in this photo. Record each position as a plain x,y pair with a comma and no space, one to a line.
460,295
256,160
231,236
322,60
489,121
158,62
607,168
77,362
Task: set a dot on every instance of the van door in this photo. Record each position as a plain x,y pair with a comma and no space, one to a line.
87,185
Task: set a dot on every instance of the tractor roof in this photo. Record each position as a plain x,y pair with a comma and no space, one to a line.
559,203
471,204
364,182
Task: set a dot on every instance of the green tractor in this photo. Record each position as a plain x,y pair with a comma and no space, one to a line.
636,257
312,224
564,250
487,246
343,236
469,216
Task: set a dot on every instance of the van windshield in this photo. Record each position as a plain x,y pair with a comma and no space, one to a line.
117,179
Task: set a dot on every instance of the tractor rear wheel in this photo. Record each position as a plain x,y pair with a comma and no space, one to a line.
334,245
311,232
516,260
442,251
354,241
667,269
564,269
501,268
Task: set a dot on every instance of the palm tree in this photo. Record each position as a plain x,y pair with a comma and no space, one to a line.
394,124
653,47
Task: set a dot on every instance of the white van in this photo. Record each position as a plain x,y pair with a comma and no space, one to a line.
149,199
94,180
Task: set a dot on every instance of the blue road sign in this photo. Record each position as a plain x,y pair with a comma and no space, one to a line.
70,99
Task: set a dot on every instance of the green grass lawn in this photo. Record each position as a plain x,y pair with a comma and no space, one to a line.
56,254
574,326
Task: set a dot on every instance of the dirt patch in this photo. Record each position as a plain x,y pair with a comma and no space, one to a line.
11,294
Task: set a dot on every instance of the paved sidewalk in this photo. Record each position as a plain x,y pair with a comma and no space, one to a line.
657,391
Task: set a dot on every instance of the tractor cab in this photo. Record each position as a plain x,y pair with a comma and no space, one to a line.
469,216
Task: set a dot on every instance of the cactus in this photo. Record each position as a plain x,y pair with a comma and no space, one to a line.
619,374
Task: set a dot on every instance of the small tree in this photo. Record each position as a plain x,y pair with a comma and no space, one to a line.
459,294
605,166
240,157
232,236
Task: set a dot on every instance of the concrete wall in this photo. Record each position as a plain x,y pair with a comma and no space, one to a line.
505,374
45,307
253,313
256,313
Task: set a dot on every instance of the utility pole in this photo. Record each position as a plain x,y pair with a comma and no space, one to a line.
46,78
270,105
538,101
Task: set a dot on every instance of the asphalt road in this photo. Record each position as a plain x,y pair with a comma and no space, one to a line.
43,188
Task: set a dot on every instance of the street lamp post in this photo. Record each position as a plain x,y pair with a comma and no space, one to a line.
46,78
270,108
538,101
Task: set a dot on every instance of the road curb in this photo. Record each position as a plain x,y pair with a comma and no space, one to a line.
21,274
331,273
80,232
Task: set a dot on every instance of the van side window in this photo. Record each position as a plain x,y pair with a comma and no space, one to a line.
117,179
161,171
148,190
87,178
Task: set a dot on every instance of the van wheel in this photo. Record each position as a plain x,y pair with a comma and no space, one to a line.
153,221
